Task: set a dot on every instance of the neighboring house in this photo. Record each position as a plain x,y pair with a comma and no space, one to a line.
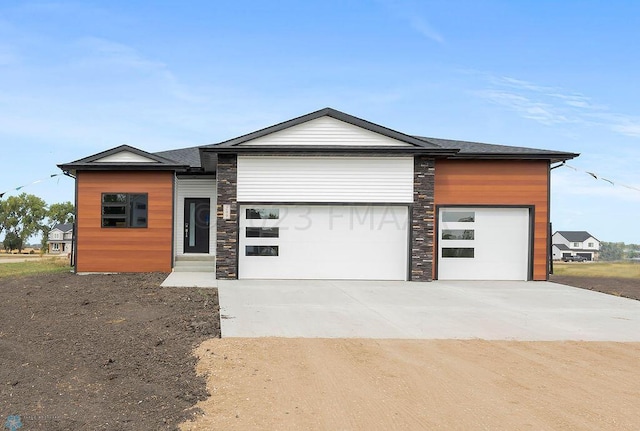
322,196
575,243
60,239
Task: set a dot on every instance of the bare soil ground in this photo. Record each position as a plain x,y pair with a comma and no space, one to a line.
320,384
625,287
101,352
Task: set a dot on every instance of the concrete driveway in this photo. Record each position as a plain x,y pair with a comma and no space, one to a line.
503,310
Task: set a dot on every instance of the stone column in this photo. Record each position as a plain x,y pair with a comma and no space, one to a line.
422,219
227,230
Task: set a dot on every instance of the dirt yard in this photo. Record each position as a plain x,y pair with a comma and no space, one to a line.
320,384
115,352
626,287
101,352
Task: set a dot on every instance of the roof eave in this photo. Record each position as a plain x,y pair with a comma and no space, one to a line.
72,167
553,157
307,149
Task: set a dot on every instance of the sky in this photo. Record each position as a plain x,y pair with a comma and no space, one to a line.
80,77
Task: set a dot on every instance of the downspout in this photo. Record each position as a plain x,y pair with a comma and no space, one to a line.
75,221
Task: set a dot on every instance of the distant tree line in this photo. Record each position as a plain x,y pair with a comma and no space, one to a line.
26,215
618,251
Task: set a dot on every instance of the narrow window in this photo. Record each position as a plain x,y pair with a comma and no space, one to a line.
458,252
123,210
459,216
261,250
458,234
262,232
262,213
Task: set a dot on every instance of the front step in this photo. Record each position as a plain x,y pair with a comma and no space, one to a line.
195,263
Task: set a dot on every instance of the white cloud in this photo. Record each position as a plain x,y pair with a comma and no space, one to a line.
553,105
408,11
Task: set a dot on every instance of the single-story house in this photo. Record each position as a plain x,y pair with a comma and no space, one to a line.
323,196
60,239
575,243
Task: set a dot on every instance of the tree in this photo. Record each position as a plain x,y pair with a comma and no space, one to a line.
61,213
12,242
22,215
612,251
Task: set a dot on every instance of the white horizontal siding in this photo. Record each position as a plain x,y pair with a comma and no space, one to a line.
125,157
326,131
194,188
325,179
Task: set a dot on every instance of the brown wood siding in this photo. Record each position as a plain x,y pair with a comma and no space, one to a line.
124,249
498,182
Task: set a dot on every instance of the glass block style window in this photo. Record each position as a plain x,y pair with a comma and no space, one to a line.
124,210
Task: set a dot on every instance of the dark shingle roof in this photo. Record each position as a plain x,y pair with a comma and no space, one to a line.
64,227
187,156
562,246
575,235
470,149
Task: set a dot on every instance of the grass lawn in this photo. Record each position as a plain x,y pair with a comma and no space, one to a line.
598,269
36,266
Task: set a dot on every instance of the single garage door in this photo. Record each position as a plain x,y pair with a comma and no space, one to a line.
483,244
356,242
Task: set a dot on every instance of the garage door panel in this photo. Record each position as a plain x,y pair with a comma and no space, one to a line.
331,242
500,244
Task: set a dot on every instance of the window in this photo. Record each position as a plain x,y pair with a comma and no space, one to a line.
55,246
262,232
459,216
124,210
263,213
458,234
458,252
590,245
261,250
576,244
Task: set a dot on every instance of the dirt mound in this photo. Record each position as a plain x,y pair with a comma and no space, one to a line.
101,352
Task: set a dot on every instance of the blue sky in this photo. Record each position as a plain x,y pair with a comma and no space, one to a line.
77,78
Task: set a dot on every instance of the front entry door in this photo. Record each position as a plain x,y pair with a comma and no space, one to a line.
196,225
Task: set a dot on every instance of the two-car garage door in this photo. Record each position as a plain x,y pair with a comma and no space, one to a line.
365,242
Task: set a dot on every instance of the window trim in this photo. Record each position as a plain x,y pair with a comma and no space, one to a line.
128,210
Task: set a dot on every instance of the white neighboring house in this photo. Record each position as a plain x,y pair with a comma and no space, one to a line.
575,243
60,239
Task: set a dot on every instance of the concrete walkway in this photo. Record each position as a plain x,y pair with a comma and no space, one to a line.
437,310
190,279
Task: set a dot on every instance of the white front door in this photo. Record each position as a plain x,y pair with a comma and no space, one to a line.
361,242
483,243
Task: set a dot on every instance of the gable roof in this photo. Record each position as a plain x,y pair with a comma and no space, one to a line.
93,162
562,246
416,145
64,227
576,235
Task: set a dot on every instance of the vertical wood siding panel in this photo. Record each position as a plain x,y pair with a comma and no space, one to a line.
492,182
124,250
325,179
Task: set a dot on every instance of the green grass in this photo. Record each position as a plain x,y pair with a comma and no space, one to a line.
35,266
598,269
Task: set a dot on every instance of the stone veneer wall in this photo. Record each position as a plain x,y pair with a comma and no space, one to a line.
227,230
422,219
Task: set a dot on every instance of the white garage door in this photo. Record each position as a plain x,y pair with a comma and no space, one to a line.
483,244
323,242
